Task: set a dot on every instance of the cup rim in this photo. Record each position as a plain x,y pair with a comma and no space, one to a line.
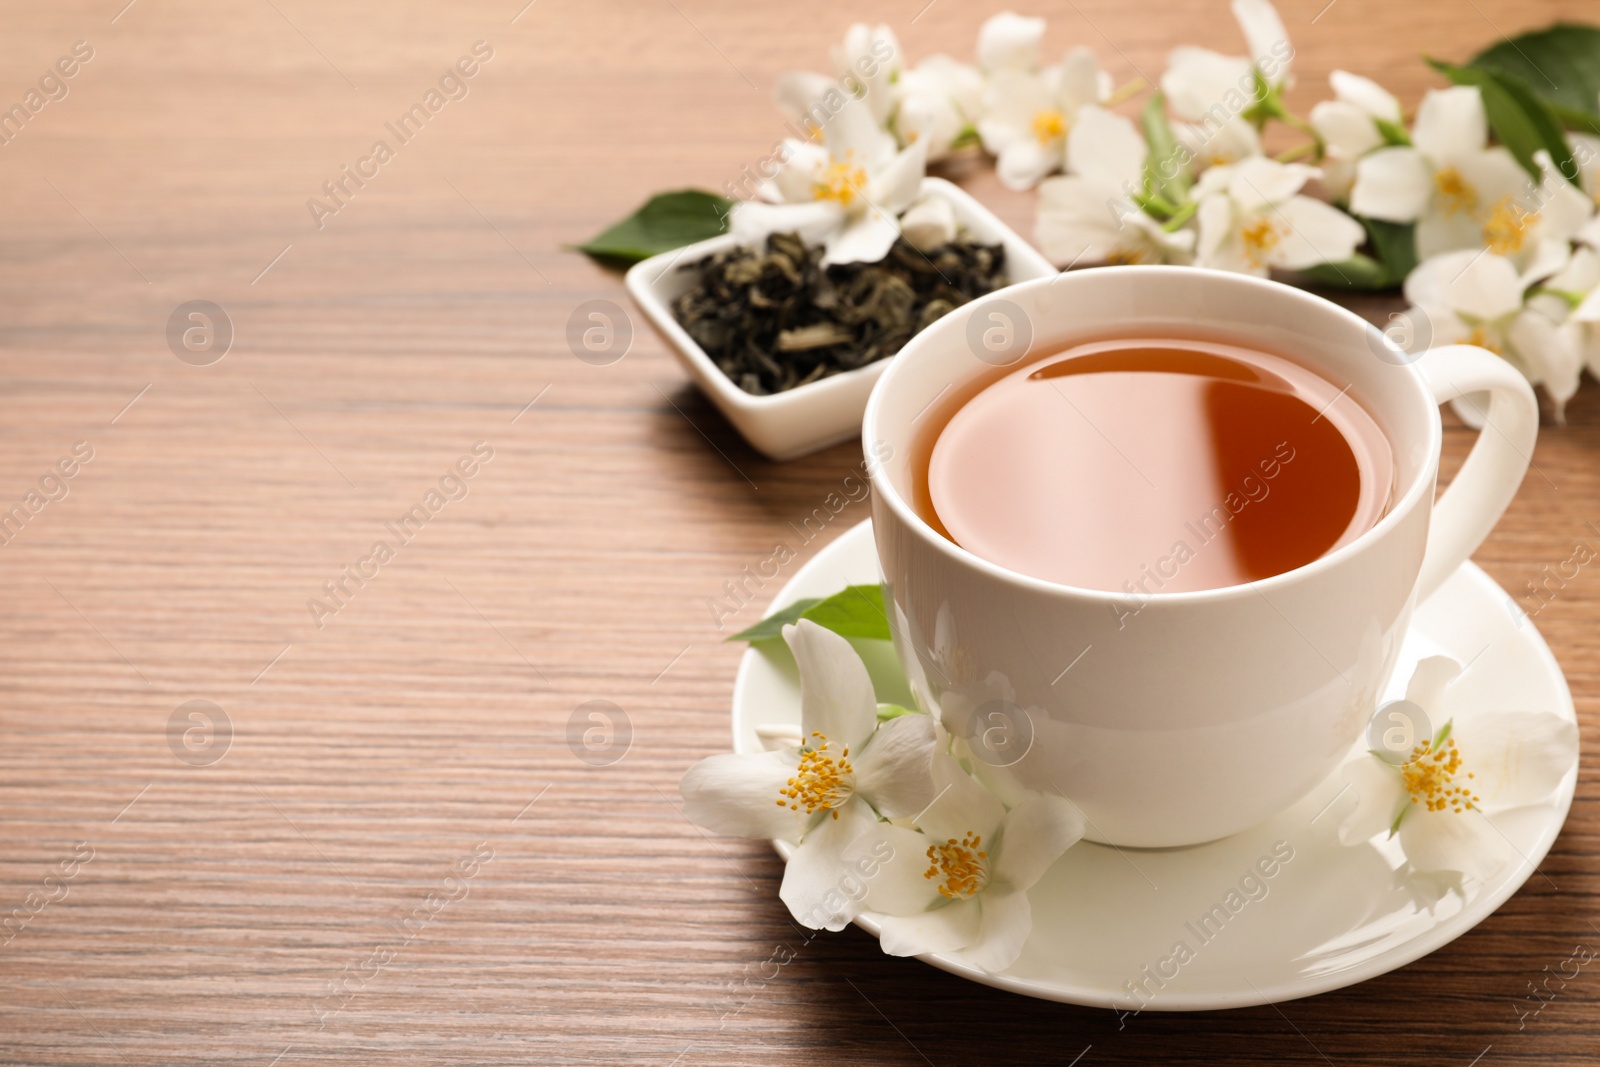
902,364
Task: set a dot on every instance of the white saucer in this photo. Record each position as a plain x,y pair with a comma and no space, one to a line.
1331,917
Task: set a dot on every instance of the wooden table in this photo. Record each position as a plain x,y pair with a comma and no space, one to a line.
392,852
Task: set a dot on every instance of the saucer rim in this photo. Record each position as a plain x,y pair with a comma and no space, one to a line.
1436,937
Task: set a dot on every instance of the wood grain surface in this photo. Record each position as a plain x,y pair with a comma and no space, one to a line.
393,854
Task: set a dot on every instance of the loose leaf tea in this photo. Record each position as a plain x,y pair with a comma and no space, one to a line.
774,318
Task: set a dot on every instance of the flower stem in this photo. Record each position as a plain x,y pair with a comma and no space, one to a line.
1159,206
1297,152
1126,92
1183,215
1289,118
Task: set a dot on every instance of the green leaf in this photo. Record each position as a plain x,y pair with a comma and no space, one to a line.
1165,155
665,222
1560,65
772,626
1393,132
1393,255
1394,244
856,611
894,711
1359,273
1522,121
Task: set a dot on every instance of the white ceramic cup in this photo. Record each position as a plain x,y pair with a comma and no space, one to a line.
1179,718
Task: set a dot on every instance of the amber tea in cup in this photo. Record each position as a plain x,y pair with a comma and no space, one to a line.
1155,465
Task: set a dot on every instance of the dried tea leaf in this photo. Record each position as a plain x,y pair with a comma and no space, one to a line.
774,318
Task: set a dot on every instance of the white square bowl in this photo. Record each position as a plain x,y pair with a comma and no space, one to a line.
788,425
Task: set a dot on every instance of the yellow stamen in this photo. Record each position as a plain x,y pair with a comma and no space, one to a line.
1431,778
1127,257
1048,125
962,870
1260,238
1480,337
841,180
1506,229
1456,192
821,782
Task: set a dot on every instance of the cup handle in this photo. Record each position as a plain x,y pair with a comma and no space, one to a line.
1488,480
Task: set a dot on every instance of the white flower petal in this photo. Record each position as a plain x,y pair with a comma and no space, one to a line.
1428,683
1428,284
797,176
930,121
777,737
752,221
1079,221
1347,130
1580,275
853,133
1444,327
1107,149
1033,836
863,239
798,92
895,187
1516,757
1586,153
815,887
1562,209
1452,841
1338,175
888,863
1394,184
1589,310
1022,164
1365,94
1258,182
894,769
1548,354
1010,41
1198,80
1216,144
1492,175
1317,233
1215,248
1589,233
1174,247
859,66
960,806
1010,102
939,74
1479,284
1439,232
737,794
1451,124
1265,36
836,696
938,99
928,224
943,929
1007,922
1077,81
1547,258
1379,792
